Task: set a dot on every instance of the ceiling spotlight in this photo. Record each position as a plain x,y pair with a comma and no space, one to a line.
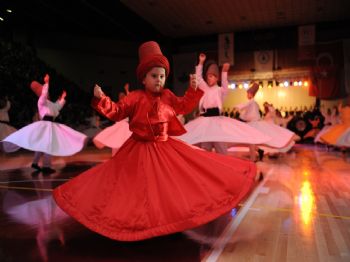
1,19
8,10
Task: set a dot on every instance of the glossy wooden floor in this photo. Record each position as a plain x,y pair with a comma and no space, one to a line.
299,212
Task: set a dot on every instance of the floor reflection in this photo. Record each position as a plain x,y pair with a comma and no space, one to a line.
293,205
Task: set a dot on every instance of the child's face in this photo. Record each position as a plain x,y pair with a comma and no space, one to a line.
155,79
249,95
212,79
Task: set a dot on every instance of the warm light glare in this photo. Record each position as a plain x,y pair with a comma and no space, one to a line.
281,94
269,86
300,83
240,86
306,202
246,85
306,83
260,95
280,84
295,83
286,83
2,19
8,10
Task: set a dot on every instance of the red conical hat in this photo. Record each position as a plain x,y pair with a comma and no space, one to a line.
36,87
150,56
253,88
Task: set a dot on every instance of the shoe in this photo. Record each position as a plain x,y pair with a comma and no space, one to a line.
35,166
261,154
261,176
47,170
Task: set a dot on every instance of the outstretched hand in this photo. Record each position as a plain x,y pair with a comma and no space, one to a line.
202,58
126,88
225,67
98,91
46,78
64,94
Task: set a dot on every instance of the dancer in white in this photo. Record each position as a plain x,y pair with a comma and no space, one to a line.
46,137
211,130
282,139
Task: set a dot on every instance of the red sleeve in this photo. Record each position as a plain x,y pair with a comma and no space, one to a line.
113,111
185,105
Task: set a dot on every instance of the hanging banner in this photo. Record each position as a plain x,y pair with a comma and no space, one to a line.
306,42
263,60
226,49
306,35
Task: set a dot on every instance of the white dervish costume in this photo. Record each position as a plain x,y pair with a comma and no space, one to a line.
46,136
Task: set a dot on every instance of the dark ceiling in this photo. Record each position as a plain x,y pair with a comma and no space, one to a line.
170,19
110,19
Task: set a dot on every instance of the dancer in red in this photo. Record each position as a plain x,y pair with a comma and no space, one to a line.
154,185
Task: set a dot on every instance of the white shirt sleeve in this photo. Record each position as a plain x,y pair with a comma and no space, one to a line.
199,75
224,84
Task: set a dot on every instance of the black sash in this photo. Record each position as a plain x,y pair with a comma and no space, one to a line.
213,111
48,118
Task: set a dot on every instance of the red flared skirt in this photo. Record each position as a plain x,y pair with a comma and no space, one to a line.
150,189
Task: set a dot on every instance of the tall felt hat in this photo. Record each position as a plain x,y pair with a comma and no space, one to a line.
36,87
150,56
213,69
253,88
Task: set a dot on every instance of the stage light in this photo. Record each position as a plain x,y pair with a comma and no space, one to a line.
232,86
269,84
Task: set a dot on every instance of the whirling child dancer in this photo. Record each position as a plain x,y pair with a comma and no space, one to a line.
46,137
281,138
211,130
155,185
339,134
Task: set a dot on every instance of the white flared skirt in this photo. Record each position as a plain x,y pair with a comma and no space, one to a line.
281,137
113,136
222,129
47,137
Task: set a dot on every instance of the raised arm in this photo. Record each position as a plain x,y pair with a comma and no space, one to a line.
61,100
106,107
44,91
184,105
224,79
199,72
